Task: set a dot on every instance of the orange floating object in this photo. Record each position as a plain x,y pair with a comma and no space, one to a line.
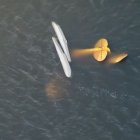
117,58
81,52
101,43
85,52
102,54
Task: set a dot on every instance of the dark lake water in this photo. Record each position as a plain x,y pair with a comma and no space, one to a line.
37,101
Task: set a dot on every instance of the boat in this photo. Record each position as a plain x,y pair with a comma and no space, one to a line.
62,39
63,58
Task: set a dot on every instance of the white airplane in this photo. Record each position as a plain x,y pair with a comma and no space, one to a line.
62,39
63,58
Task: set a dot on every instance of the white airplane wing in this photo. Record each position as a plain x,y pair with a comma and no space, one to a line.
63,58
62,40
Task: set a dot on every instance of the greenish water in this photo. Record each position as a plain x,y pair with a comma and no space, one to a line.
37,101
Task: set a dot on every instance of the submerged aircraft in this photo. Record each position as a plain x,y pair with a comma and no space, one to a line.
99,51
63,58
62,39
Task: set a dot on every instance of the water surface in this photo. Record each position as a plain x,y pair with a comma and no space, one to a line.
37,101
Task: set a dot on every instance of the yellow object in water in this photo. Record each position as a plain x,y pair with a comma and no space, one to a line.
101,43
102,53
99,51
117,58
85,52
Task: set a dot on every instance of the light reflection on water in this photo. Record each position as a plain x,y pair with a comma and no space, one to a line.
54,89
